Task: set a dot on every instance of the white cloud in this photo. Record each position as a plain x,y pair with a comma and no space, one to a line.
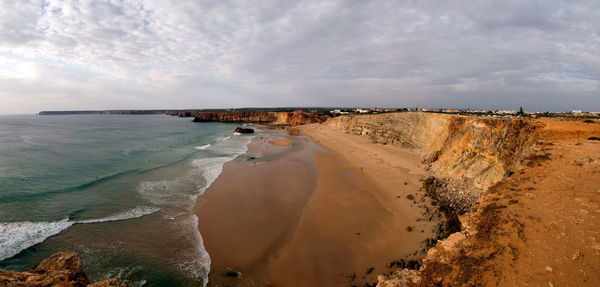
60,54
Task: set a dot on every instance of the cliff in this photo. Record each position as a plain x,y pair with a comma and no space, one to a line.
463,155
262,117
62,269
518,196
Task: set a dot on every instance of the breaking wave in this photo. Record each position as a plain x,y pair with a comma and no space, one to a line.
203,147
18,236
136,212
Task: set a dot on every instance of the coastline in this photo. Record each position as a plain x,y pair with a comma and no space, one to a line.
324,208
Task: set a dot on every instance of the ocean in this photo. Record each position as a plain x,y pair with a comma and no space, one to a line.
117,189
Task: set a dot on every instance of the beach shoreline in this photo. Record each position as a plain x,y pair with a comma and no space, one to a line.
324,208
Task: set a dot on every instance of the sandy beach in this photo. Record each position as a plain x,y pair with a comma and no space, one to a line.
321,209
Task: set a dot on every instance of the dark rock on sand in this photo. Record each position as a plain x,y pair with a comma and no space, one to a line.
413,264
398,263
232,274
244,130
370,270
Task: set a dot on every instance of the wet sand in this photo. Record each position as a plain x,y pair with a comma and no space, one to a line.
312,215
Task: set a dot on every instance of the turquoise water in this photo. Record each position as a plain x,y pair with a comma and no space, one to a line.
118,189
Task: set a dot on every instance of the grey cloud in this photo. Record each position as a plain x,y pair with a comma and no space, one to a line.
18,21
539,54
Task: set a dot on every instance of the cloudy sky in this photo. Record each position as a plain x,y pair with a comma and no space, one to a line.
118,54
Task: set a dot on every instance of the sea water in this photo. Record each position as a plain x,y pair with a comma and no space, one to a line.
117,189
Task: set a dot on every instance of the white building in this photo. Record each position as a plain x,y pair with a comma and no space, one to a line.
339,112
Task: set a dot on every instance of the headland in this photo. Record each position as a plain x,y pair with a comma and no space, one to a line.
405,199
511,200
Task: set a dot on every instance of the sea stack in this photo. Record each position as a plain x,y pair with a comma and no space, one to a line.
244,130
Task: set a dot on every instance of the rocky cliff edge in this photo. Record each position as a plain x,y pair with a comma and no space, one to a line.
520,197
262,117
63,269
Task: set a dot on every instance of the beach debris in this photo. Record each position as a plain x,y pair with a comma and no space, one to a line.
409,228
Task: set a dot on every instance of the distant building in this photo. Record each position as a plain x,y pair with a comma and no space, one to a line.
338,112
576,111
362,111
507,112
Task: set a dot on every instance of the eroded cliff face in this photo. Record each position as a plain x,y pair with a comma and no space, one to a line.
463,155
262,117
519,194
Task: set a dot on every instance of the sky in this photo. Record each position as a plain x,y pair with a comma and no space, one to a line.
117,54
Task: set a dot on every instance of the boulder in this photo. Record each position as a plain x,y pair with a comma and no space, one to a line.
62,269
244,130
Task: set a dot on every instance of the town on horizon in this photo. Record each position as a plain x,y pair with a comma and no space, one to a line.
336,111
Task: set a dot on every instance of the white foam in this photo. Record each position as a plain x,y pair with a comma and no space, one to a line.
196,263
29,140
175,192
203,174
136,212
203,147
125,272
237,134
211,169
18,236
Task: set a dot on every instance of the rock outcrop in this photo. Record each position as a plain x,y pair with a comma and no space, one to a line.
501,184
262,117
63,269
464,156
244,130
